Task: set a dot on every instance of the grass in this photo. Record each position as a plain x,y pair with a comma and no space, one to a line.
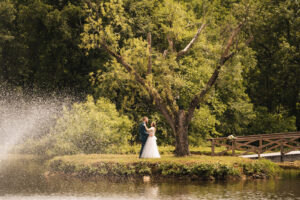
88,159
192,167
204,149
290,165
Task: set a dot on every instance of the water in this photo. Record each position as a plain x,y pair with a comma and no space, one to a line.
26,116
24,180
20,121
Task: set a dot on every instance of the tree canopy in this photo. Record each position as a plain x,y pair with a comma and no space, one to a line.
174,47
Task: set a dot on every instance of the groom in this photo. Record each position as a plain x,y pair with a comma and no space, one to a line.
143,133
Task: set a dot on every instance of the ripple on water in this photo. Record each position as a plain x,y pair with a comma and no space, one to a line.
23,181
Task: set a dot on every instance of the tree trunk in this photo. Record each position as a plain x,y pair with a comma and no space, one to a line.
181,135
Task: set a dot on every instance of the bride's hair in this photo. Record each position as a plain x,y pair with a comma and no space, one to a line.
153,124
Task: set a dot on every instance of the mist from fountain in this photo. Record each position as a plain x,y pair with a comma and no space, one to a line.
25,117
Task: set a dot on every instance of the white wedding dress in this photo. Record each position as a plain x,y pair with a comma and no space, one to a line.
150,149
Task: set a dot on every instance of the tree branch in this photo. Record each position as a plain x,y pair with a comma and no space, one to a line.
171,46
149,67
165,53
89,3
190,44
152,91
224,57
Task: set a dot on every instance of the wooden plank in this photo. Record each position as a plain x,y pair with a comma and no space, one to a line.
295,149
276,146
243,143
287,134
270,143
287,145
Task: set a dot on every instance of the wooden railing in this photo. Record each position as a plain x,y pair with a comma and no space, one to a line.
258,144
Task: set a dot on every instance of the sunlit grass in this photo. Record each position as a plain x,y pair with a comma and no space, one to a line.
168,149
290,165
113,158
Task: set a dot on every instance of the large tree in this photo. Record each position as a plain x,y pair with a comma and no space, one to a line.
39,46
165,53
274,82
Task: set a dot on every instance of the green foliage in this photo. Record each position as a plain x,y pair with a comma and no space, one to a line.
203,126
266,122
93,127
41,50
176,79
274,82
88,127
164,168
7,14
260,168
233,106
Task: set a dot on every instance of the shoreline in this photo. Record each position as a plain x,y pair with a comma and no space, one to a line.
168,168
194,168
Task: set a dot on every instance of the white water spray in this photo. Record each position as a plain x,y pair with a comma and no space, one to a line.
20,119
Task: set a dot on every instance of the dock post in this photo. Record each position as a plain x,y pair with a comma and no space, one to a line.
281,150
233,147
260,147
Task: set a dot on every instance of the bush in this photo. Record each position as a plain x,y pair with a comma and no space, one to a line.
88,127
93,127
202,126
266,122
260,168
200,171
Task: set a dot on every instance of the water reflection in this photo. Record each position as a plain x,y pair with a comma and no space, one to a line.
25,181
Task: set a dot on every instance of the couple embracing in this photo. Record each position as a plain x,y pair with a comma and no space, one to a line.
147,136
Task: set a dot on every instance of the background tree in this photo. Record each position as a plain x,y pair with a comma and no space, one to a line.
257,90
173,77
274,83
8,15
40,53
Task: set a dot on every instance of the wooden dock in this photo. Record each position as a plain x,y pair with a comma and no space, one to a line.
264,145
276,156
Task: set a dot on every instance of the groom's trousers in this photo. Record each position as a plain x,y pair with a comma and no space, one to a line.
142,148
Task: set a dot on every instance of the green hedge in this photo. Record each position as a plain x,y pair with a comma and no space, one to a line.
196,171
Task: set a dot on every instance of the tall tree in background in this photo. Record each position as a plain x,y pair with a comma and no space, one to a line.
7,15
176,77
39,48
275,81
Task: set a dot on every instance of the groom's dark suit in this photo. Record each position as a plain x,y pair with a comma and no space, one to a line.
143,136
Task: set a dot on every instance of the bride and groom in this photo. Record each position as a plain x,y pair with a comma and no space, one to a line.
147,137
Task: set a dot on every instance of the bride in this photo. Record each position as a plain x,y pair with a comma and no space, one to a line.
150,149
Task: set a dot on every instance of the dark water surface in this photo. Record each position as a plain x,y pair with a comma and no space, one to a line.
25,181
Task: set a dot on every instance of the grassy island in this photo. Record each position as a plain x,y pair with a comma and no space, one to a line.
196,167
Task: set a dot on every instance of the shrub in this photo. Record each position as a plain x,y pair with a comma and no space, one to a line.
261,167
202,126
88,127
93,127
266,122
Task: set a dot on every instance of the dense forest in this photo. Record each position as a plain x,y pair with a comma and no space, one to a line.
68,47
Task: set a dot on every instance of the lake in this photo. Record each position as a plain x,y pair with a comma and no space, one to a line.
26,181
